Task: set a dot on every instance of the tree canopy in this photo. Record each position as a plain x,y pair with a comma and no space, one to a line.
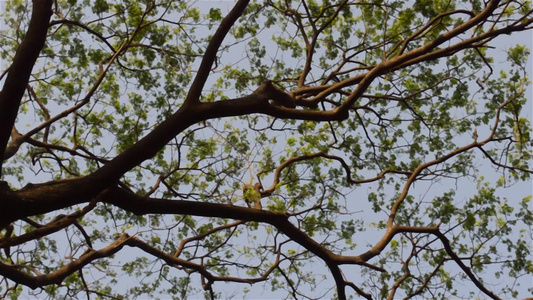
304,149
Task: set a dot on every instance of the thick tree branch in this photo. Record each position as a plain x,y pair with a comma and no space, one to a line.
142,205
195,169
20,70
211,51
61,194
148,146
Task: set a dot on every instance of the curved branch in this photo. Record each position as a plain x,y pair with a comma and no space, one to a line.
394,229
12,271
142,205
85,27
423,53
58,223
198,237
345,166
20,70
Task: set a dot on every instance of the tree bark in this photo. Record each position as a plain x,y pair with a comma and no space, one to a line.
20,70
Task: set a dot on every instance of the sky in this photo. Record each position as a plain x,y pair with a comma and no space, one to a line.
518,191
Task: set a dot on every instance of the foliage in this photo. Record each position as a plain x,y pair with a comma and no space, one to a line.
147,124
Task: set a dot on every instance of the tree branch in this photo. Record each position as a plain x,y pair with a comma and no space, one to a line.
20,70
211,51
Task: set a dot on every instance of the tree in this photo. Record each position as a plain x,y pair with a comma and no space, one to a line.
369,149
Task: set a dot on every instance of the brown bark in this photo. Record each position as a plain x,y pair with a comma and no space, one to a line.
20,70
102,185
